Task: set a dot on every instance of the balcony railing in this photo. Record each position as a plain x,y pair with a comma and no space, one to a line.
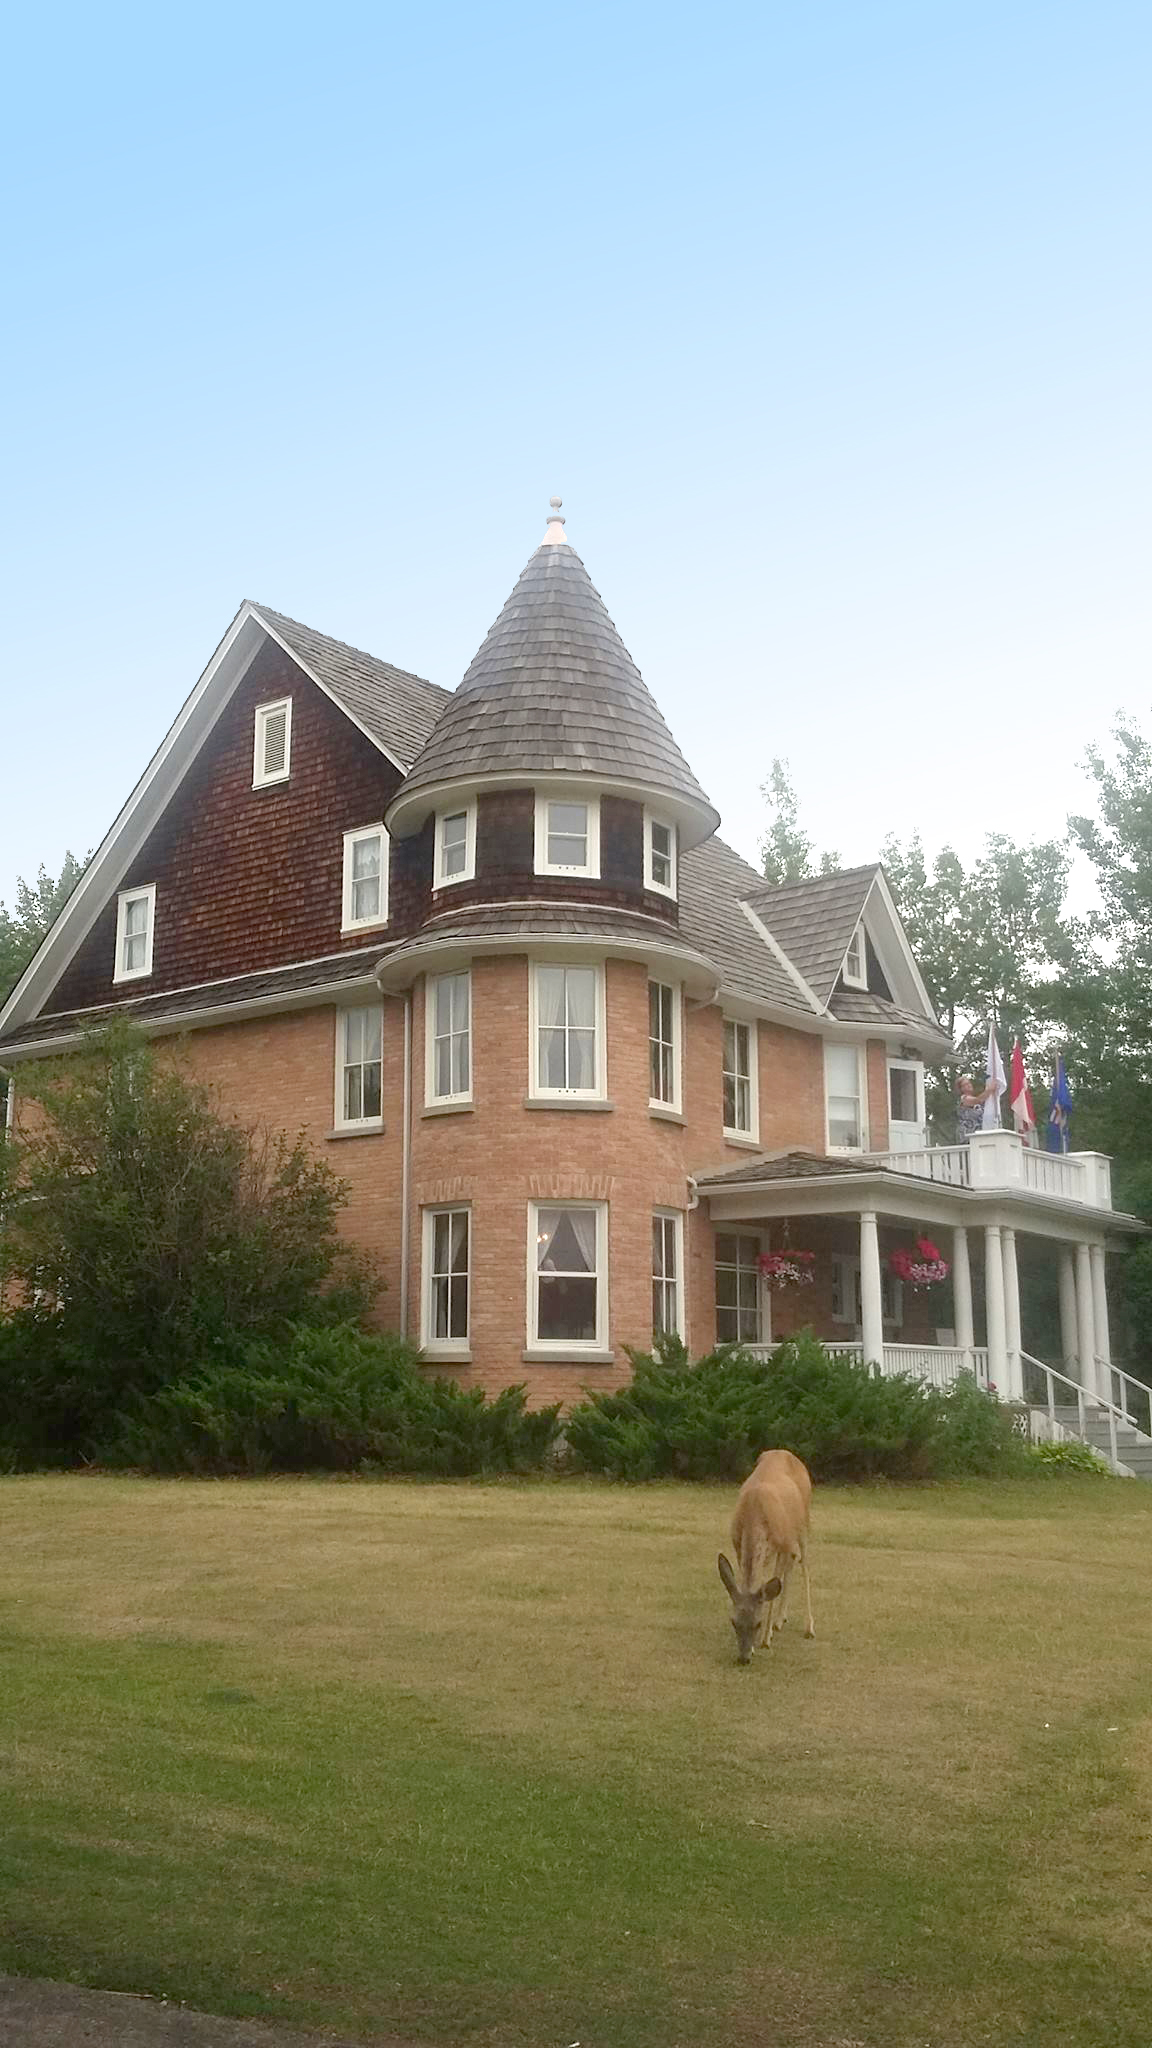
1000,1159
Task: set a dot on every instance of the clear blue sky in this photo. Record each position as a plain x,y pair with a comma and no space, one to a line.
831,323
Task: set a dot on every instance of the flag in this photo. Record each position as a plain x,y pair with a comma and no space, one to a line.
1056,1136
1020,1095
996,1075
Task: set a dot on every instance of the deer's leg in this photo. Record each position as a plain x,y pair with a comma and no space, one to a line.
810,1625
770,1607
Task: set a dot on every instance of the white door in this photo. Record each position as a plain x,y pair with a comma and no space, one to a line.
907,1129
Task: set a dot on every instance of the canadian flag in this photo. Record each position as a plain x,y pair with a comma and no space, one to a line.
1020,1094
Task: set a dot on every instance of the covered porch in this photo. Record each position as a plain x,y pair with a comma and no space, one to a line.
988,1206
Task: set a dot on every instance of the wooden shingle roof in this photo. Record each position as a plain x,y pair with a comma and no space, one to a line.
394,707
553,691
813,921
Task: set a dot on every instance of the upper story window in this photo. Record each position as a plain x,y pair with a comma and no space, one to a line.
567,1031
844,1089
855,968
663,1045
359,1098
455,856
449,1072
273,742
365,878
135,920
659,855
567,836
741,1107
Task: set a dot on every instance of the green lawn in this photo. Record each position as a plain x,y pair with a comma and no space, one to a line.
476,1763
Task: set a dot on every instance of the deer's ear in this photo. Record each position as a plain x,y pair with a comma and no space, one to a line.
770,1591
727,1574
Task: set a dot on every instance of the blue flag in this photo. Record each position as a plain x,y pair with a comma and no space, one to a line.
1056,1135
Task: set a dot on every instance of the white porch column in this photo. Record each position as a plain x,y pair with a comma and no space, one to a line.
1100,1319
1014,1387
871,1293
994,1308
1085,1321
1069,1336
962,1294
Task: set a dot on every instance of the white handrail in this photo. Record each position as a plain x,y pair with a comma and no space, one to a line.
1084,1401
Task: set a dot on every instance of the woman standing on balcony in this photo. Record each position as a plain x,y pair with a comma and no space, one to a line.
970,1108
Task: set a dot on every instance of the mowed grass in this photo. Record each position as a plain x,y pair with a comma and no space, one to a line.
475,1763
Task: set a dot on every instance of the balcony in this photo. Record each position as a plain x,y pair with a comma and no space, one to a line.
992,1161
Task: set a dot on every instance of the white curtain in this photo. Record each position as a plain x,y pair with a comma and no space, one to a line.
582,1227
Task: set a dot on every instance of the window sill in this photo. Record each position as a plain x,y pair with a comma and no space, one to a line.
448,1109
447,1354
534,1354
452,882
372,924
742,1138
592,1102
368,1130
664,1115
271,782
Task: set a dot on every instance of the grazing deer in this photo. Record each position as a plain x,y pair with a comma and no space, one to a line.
769,1536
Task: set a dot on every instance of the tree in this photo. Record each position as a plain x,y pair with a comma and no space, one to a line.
37,908
147,1234
785,850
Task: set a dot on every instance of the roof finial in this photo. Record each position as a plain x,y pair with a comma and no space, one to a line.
554,537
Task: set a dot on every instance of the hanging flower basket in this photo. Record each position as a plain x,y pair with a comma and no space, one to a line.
787,1269
922,1267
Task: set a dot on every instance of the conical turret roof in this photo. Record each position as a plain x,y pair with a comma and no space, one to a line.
554,691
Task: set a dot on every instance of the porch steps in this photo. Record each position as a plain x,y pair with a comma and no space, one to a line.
1133,1448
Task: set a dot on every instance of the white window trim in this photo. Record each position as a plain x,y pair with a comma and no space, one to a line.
752,1134
442,1347
677,1218
908,1067
562,1347
544,797
656,1101
125,897
340,1122
431,1099
468,871
848,1151
537,1092
849,1274
263,712
661,888
361,924
856,977
763,1298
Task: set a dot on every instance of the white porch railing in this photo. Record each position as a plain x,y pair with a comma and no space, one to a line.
1047,1390
940,1364
1000,1159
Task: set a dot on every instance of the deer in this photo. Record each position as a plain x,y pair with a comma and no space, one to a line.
769,1536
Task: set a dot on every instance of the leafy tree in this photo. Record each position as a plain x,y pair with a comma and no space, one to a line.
148,1234
37,908
786,850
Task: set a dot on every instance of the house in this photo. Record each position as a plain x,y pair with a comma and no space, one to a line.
579,1063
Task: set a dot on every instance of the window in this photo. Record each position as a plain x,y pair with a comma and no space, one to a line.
659,855
667,1261
449,1076
358,1066
567,836
663,1045
135,919
273,742
455,859
447,1273
905,1104
845,1098
741,1113
365,878
737,1288
855,968
567,1030
568,1268
847,1300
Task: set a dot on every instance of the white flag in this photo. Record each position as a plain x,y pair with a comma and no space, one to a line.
999,1079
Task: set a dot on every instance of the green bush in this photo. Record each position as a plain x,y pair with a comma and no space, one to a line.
1067,1454
712,1418
330,1400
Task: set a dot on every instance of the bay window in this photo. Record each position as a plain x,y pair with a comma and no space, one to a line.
455,856
567,1031
568,1275
449,1038
663,1045
567,836
659,855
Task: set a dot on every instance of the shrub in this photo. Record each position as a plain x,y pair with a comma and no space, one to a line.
332,1400
712,1418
